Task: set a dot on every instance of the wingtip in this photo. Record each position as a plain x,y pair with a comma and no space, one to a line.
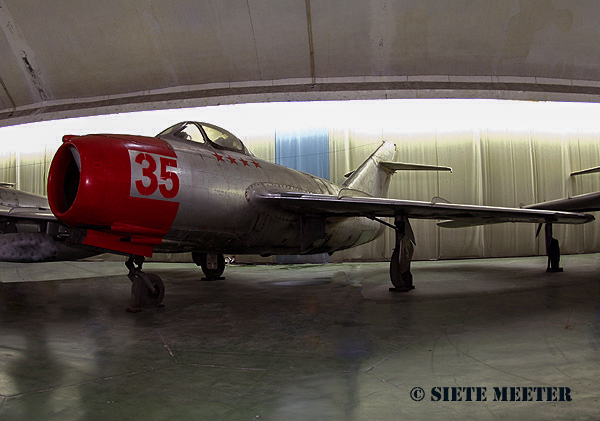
586,171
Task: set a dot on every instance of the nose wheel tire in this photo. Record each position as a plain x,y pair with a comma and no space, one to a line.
147,290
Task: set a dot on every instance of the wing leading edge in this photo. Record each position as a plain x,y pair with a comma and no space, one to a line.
17,205
328,205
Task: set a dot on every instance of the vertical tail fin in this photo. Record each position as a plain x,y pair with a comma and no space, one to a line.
371,177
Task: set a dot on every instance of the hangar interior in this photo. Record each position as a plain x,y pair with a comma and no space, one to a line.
325,341
495,167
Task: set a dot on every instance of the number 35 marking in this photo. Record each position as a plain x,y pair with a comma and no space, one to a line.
153,176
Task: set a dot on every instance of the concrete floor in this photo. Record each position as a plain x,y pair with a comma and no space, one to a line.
298,342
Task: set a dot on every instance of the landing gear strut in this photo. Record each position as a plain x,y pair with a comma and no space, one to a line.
552,251
400,274
147,289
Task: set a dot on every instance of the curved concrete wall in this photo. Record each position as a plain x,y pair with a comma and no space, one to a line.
82,58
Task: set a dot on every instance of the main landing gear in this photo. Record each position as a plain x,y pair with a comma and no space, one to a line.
552,250
400,274
212,264
147,289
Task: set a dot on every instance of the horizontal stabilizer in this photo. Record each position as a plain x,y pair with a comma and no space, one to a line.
588,171
401,166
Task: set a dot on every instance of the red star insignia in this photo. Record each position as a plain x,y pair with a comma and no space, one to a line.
231,160
243,161
219,157
256,164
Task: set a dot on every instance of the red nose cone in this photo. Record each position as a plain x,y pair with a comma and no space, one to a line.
108,182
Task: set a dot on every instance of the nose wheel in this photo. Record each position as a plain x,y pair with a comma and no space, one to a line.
147,289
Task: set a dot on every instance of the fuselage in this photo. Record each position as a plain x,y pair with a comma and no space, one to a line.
217,213
167,194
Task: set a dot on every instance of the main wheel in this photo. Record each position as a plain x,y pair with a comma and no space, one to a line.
142,295
212,264
402,281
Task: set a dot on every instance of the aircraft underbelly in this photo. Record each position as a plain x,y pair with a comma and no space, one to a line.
277,236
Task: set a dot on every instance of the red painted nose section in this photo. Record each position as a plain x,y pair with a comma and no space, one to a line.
123,189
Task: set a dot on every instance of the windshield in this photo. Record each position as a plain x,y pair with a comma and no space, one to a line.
222,138
183,131
204,133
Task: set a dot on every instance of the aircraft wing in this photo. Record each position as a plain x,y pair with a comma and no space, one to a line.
17,204
588,171
29,230
589,202
328,205
16,213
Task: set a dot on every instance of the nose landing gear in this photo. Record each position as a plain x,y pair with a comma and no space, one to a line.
147,289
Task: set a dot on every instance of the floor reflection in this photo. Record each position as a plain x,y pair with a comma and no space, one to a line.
310,341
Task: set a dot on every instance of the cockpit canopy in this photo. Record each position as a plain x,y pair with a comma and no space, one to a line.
205,133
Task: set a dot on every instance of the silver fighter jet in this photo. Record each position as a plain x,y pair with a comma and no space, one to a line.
196,188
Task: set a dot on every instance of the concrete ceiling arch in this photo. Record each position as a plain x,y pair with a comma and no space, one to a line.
73,58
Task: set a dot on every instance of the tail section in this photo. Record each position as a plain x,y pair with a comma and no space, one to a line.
373,176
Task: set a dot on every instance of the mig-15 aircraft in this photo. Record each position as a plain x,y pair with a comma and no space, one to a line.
196,188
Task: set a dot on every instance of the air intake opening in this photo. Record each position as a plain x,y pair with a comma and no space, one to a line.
63,179
71,184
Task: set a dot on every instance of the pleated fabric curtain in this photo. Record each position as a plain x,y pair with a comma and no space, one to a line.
28,171
491,167
306,150
261,145
8,167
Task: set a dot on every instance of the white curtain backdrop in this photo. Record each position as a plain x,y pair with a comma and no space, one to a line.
28,171
491,167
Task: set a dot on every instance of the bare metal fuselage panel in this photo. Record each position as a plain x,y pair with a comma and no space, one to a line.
218,211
